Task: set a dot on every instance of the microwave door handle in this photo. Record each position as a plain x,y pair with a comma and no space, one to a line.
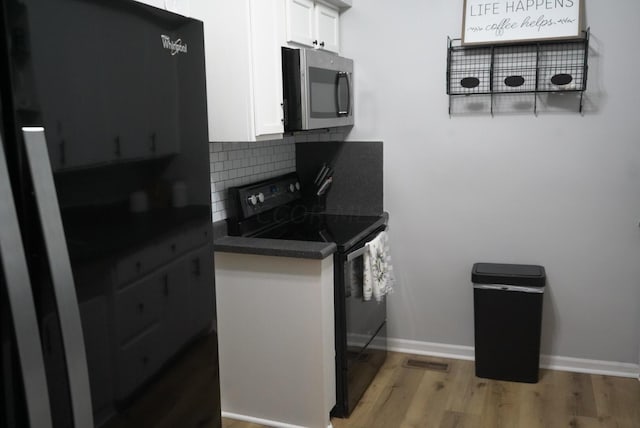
345,76
61,275
349,95
22,307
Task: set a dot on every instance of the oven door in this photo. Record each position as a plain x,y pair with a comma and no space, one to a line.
327,99
360,332
363,318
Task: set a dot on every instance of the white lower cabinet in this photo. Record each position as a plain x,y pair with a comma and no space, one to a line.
276,336
243,40
158,308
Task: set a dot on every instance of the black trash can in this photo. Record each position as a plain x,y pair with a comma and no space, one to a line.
507,302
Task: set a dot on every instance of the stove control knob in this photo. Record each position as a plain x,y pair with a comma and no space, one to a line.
292,188
252,200
297,185
261,197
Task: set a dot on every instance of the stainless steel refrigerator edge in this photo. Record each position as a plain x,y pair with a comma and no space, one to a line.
106,253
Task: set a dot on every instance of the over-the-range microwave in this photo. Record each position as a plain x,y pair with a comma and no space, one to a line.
317,89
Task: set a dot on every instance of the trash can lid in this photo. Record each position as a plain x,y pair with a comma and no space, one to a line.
508,274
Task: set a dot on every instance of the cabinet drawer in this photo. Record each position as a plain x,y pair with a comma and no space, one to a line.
137,307
137,264
197,236
138,361
144,261
190,239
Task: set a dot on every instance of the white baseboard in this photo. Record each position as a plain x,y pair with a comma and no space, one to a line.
554,362
609,368
441,350
260,421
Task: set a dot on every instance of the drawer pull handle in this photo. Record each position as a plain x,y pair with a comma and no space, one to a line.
196,267
140,307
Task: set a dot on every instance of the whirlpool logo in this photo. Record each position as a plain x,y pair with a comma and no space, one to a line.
175,46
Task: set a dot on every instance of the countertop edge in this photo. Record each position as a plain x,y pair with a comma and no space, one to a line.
274,247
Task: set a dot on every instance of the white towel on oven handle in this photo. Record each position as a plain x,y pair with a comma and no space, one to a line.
378,278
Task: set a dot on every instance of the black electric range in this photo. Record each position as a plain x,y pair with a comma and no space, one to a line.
274,209
344,230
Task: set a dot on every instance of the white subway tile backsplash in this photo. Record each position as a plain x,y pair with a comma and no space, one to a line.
237,163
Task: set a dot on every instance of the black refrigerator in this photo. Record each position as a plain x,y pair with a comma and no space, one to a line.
107,297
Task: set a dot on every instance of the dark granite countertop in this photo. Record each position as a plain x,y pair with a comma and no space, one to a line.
112,231
274,247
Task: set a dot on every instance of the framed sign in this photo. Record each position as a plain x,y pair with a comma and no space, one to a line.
502,21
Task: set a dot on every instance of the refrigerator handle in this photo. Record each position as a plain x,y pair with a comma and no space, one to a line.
61,275
18,284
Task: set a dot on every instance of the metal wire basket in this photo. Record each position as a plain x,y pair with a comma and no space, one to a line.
518,68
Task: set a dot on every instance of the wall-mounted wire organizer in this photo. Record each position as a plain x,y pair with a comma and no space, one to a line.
537,67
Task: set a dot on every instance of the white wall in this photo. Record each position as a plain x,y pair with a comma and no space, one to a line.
560,189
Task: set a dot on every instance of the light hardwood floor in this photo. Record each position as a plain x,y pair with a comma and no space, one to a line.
417,398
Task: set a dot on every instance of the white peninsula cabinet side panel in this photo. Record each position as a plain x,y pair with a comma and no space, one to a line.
276,339
243,39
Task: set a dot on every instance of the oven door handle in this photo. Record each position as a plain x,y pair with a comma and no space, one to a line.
347,267
357,253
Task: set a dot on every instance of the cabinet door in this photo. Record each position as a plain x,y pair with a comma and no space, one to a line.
161,124
138,307
72,103
267,35
138,361
176,321
202,289
327,28
300,22
243,40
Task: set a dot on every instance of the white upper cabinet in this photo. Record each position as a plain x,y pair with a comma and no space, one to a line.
313,24
300,22
327,22
243,40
